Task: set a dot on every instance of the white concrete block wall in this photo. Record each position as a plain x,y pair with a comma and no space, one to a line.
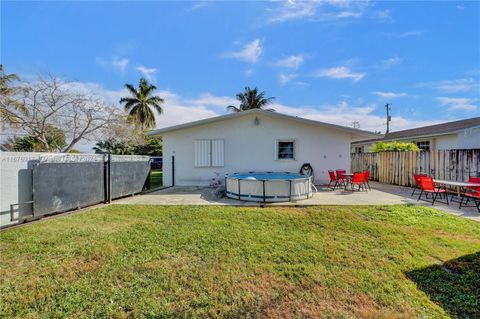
250,147
16,178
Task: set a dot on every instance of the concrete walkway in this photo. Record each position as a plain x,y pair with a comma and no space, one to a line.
381,194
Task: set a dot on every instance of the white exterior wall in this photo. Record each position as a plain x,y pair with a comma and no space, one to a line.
446,142
469,138
15,183
252,148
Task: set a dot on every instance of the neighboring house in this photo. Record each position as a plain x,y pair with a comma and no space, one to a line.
254,140
463,134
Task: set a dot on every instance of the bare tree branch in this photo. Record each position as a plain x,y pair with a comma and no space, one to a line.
51,102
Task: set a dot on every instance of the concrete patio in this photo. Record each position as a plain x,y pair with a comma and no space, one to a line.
380,194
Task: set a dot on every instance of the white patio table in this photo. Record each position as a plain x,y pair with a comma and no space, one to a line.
456,185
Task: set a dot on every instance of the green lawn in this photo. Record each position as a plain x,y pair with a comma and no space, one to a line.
156,179
330,262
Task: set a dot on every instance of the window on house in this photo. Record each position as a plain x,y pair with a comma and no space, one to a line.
209,153
285,149
424,145
358,149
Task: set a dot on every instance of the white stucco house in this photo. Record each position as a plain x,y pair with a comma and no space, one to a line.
254,140
463,134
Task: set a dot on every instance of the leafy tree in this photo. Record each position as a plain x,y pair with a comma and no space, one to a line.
21,144
5,82
140,102
55,139
113,146
251,99
394,146
151,146
7,100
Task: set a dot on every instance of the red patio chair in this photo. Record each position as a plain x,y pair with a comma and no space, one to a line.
341,174
472,193
358,179
366,174
342,179
427,186
416,180
333,179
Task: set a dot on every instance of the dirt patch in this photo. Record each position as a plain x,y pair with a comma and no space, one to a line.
80,267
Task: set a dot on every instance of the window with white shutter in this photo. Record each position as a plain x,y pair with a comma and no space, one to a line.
209,153
203,153
217,153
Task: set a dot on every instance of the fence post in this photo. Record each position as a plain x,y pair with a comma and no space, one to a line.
109,177
105,178
173,170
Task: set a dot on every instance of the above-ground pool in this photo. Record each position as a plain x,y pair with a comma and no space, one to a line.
268,187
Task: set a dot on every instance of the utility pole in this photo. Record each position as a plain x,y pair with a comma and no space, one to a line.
389,118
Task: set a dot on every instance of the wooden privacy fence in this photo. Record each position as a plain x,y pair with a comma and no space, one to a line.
398,167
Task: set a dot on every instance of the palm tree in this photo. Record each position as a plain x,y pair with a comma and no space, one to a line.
8,103
5,80
251,99
140,102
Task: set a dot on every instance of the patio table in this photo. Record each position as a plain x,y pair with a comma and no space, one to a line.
456,185
348,176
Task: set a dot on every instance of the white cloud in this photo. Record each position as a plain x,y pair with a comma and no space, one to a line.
199,5
453,86
348,14
119,64
148,73
341,72
285,78
389,95
458,103
208,99
291,10
414,33
111,97
250,52
301,83
177,110
384,15
344,114
291,62
317,10
249,72
388,63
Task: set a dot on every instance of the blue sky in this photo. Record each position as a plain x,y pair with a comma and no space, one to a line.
335,61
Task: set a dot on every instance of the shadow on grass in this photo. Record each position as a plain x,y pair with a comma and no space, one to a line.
454,285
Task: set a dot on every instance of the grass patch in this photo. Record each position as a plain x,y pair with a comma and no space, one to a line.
167,262
156,179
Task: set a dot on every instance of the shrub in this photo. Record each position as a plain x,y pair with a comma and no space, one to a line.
394,146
